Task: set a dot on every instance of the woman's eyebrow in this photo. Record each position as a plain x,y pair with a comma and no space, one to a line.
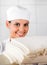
16,22
26,23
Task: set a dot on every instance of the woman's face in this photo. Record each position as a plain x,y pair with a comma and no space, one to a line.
18,28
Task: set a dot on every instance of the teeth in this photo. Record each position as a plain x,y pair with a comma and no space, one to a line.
20,34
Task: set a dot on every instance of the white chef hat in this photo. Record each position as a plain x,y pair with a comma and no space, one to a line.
18,12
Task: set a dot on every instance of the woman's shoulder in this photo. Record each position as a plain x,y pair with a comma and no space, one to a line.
6,40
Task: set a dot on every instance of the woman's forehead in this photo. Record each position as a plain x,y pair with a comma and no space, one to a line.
20,21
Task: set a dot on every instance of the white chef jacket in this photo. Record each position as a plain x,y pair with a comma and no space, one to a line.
2,47
15,51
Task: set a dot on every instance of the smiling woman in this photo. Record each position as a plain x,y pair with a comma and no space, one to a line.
18,24
18,28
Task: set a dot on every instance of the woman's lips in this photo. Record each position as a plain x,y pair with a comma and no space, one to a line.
20,34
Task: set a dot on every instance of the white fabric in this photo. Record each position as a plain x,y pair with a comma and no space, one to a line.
17,13
2,47
15,51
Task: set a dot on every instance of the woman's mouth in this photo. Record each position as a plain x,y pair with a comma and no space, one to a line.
20,34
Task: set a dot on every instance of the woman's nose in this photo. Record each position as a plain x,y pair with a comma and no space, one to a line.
21,28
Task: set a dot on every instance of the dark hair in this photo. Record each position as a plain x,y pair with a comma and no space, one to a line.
9,21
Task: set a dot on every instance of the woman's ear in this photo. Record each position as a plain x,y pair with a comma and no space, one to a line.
7,24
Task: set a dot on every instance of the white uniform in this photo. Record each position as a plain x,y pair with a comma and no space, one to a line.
1,47
15,51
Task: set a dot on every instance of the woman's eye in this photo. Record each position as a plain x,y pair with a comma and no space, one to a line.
26,24
17,24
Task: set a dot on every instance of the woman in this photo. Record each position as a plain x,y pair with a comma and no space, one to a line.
18,24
